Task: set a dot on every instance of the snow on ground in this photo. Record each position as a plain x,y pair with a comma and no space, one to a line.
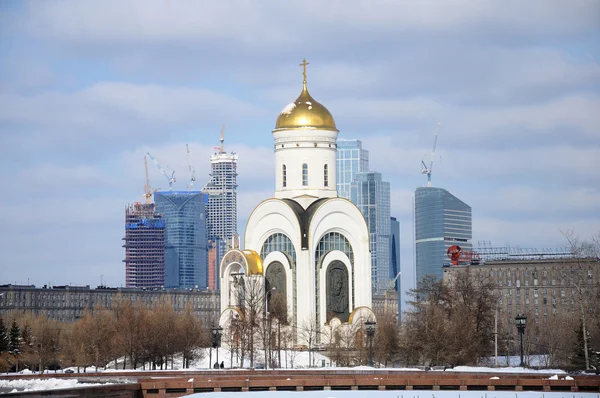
300,360
207,357
41,384
396,394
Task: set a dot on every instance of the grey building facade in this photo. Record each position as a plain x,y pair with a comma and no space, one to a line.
441,220
351,159
186,257
69,303
372,196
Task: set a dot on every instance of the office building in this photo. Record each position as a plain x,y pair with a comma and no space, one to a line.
395,251
221,213
372,196
351,159
441,220
186,242
144,246
395,261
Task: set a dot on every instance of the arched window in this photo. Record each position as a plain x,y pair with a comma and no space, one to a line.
304,175
278,242
325,176
284,175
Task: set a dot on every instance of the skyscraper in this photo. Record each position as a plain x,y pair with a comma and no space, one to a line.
395,251
441,220
395,261
372,196
185,238
144,246
221,213
351,159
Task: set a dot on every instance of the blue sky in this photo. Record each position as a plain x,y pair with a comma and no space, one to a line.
87,87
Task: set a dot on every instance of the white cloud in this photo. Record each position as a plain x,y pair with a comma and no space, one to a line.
513,83
142,21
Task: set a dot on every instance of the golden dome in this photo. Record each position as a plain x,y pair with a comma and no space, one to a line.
305,113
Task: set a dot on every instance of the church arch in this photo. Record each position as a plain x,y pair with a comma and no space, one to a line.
332,241
325,175
337,291
304,174
284,176
279,242
276,279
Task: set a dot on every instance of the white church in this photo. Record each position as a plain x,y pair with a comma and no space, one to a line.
305,243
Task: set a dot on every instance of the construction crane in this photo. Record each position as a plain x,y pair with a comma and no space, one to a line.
165,171
190,169
221,150
392,283
147,190
222,139
425,169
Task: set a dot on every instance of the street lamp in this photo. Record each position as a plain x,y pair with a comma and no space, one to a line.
521,321
370,325
216,341
267,332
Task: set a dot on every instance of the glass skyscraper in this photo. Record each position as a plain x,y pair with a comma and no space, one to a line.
222,197
441,220
395,251
351,160
372,196
186,255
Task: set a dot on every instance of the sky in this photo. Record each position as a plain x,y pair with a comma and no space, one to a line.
88,87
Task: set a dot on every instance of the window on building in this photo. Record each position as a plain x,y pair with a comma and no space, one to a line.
284,176
304,174
325,176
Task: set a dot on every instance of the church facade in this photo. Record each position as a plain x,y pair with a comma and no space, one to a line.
305,243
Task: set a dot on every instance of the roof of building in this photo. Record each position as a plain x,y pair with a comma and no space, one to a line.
305,113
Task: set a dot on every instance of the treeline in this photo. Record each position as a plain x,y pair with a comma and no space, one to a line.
461,324
140,337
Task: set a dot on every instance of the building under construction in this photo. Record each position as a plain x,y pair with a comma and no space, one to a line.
221,211
144,246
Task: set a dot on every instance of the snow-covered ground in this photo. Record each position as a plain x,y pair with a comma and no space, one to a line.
207,357
19,385
300,360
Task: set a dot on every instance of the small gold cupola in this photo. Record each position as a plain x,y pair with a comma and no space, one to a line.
305,112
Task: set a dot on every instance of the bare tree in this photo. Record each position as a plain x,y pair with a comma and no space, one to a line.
308,333
387,338
191,335
251,299
579,277
278,312
130,327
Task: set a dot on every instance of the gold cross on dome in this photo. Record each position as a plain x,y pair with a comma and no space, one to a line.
303,64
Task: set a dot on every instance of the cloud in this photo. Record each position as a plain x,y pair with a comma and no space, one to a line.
140,21
86,89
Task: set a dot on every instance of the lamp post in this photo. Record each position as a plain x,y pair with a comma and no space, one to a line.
370,325
521,321
267,332
216,342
